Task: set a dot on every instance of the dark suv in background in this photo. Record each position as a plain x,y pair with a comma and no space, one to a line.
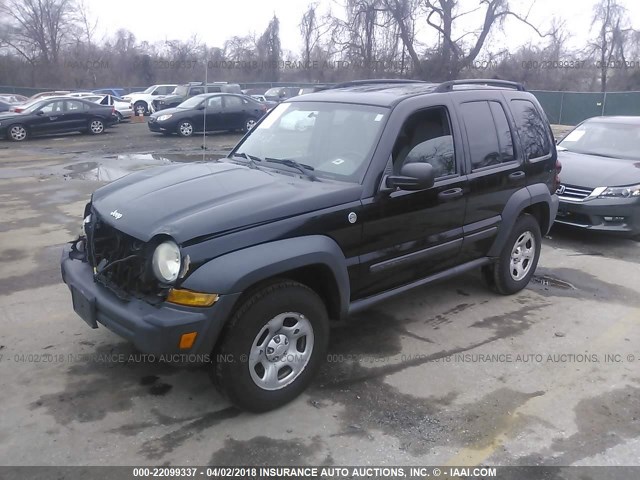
333,202
183,92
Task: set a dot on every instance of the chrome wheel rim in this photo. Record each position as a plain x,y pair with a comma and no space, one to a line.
250,124
522,256
140,109
186,129
281,351
97,126
18,133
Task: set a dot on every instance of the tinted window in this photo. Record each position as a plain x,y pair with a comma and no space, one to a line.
196,91
505,139
233,103
53,107
531,128
165,90
481,134
426,137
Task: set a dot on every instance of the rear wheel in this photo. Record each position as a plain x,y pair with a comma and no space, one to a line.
519,258
96,126
249,123
185,128
18,133
273,346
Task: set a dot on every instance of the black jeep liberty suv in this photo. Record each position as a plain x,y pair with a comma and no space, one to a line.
336,200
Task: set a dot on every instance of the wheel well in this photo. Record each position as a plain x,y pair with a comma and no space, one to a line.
540,211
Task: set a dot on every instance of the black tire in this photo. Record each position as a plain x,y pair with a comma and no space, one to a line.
96,126
140,107
499,276
185,128
17,133
232,363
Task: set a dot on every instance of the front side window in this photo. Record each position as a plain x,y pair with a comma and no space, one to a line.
53,107
426,137
214,103
336,139
534,134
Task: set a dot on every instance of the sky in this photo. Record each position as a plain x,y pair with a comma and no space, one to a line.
215,21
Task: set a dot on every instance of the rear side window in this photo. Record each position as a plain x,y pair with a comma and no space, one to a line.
532,129
505,139
482,134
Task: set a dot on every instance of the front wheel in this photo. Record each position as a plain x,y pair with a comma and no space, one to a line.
18,133
273,346
519,258
185,128
140,108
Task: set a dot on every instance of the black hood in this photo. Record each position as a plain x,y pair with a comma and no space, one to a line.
9,115
170,99
196,199
168,111
582,170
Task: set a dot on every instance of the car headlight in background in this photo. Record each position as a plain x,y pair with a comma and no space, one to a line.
621,192
166,262
162,118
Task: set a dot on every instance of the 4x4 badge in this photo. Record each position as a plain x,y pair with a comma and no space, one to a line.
352,217
116,214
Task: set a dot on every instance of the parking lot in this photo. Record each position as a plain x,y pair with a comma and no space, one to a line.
448,374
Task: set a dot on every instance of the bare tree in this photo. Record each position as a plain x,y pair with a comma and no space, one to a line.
610,18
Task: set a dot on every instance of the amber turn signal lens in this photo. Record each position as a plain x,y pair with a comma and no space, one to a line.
187,340
191,299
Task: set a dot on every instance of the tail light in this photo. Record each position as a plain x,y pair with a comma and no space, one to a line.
556,178
113,110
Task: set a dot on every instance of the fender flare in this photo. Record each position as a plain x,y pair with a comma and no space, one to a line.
520,200
235,272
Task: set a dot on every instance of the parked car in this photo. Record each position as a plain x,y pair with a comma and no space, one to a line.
317,88
262,99
13,98
184,92
123,110
243,261
80,94
141,101
279,94
55,93
210,112
115,92
56,115
600,187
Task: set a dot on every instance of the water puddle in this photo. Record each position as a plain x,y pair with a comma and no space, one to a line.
549,281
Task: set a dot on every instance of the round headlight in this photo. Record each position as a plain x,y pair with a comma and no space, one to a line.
166,262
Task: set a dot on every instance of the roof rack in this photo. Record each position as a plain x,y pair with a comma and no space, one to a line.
374,81
448,86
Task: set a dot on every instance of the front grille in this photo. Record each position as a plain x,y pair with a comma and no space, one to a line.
574,193
120,261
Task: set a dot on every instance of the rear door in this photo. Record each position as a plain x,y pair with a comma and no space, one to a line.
496,167
213,109
233,112
76,115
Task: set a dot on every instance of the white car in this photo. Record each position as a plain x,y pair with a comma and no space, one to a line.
80,94
141,101
123,108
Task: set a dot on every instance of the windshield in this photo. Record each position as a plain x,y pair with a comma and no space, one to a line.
336,139
31,107
192,102
272,92
606,139
150,89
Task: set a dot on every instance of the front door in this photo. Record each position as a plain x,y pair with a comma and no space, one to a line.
409,234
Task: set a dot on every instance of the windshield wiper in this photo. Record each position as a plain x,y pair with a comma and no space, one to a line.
303,168
251,158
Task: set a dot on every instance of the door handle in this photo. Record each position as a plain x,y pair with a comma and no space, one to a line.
517,176
450,194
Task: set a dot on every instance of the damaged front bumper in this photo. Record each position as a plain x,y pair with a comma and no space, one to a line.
153,329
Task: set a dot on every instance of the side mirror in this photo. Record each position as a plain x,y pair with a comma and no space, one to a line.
413,176
200,107
39,112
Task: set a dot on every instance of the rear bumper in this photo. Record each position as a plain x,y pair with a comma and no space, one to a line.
606,215
152,329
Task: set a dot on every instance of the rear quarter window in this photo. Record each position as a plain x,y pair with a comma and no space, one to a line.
532,129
